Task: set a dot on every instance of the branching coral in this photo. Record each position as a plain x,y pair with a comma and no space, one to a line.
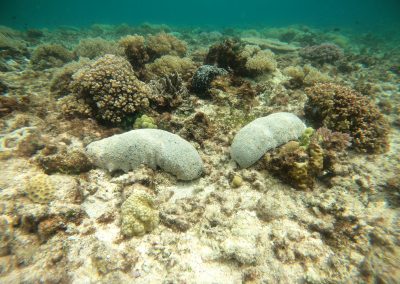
305,76
50,55
170,64
167,92
110,88
140,51
135,50
244,60
262,61
342,109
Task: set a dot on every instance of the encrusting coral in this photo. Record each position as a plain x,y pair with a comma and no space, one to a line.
138,215
340,108
96,47
323,53
110,88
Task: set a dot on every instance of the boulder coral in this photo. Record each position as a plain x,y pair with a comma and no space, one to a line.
263,134
151,147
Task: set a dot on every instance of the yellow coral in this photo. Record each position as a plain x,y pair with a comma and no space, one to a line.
40,189
300,176
163,43
170,64
263,61
306,75
138,214
316,161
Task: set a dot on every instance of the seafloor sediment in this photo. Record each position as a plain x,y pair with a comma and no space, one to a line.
321,210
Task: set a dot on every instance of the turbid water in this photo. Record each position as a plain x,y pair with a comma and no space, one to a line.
260,142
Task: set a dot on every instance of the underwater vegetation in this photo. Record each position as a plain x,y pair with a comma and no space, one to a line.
340,108
199,155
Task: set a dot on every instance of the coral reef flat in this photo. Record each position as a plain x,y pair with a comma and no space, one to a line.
323,208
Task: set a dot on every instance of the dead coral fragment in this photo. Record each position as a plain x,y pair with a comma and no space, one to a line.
40,189
50,55
138,214
110,88
342,109
73,162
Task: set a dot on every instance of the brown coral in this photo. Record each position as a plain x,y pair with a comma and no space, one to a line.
167,92
135,50
170,64
300,165
72,162
244,60
50,55
111,89
163,44
342,109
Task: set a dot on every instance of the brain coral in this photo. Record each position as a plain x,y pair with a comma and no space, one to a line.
342,109
110,87
40,189
262,134
138,214
152,147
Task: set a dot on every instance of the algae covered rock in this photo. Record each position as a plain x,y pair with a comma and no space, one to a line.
138,214
263,134
151,147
